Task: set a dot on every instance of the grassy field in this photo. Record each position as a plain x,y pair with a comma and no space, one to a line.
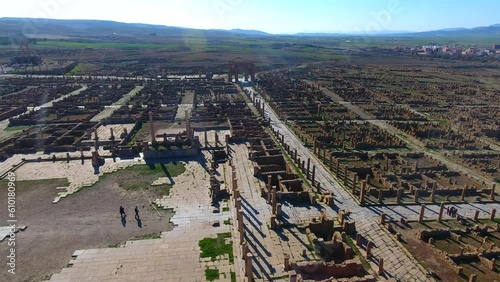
104,45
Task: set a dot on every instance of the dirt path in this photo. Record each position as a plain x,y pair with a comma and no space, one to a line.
85,220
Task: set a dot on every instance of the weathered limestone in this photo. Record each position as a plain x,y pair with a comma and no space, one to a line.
358,239
380,266
313,174
248,267
269,188
152,128
369,249
308,166
286,263
382,218
345,175
433,193
421,215
441,208
238,204
362,192
274,224
476,215
274,200
354,180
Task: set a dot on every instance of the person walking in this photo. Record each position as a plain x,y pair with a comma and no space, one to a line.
122,212
136,212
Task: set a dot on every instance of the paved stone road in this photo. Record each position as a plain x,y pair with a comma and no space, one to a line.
267,246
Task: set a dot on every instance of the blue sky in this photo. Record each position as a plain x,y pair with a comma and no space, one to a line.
272,16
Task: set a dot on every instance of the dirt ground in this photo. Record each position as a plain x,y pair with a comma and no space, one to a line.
87,219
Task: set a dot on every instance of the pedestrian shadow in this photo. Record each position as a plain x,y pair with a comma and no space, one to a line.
139,221
124,220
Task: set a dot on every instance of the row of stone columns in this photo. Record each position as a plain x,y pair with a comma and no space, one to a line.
369,254
293,154
246,255
441,209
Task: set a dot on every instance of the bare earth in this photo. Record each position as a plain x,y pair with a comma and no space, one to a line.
84,220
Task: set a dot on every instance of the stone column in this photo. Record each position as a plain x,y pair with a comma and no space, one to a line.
269,188
188,125
241,227
331,161
369,249
96,140
358,239
206,137
441,208
476,215
273,222
308,166
354,180
472,277
380,266
422,211
462,198
433,193
337,165
382,218
313,174
492,194
362,192
216,139
415,197
152,128
492,214
398,196
274,200
248,267
381,195
345,175
286,263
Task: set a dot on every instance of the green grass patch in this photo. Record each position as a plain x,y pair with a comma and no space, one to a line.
141,176
227,222
117,245
214,247
225,209
16,128
105,45
364,262
76,70
233,276
148,236
211,274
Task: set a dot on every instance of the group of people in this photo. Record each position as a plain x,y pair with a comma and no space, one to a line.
451,211
124,215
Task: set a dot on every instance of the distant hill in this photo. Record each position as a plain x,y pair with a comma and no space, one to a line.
19,27
101,29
